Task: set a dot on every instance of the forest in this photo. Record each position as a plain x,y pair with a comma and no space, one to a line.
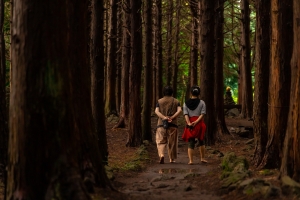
66,66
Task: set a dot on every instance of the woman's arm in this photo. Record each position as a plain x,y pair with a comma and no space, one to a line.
187,119
198,120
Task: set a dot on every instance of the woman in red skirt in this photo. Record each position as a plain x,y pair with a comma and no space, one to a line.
194,110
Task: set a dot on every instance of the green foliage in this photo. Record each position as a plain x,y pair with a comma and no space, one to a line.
249,191
136,164
231,162
227,162
232,34
266,172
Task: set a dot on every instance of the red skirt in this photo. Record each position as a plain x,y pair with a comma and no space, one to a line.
197,132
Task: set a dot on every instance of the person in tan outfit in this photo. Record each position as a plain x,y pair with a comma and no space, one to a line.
167,109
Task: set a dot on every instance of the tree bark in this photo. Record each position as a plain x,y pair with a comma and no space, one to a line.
147,98
159,61
194,52
194,45
279,84
290,162
262,69
176,50
134,132
169,42
126,54
207,67
154,56
157,53
110,100
245,67
219,79
52,135
97,75
3,105
119,57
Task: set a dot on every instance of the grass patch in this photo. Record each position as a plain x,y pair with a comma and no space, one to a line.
248,191
266,172
130,161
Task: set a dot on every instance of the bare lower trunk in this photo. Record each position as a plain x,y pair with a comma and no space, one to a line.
97,75
126,54
247,96
169,42
207,67
3,104
194,45
147,98
260,117
159,82
50,141
219,84
290,162
281,51
134,132
110,100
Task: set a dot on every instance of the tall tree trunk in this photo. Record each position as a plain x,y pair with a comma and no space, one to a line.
126,54
97,75
169,42
119,57
3,106
219,79
291,162
207,67
159,61
194,44
194,53
262,69
52,139
240,80
147,98
134,132
110,100
154,56
106,25
176,50
245,72
281,51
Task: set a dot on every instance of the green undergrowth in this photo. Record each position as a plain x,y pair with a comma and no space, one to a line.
266,172
234,169
136,163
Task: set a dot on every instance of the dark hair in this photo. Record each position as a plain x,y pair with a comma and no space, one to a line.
195,90
168,91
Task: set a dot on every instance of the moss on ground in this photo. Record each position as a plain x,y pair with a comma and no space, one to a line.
135,163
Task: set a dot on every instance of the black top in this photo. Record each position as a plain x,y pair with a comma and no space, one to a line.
192,104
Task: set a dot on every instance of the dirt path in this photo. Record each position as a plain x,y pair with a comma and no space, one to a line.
176,180
179,180
169,180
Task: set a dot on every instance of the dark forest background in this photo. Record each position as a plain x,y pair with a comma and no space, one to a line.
65,66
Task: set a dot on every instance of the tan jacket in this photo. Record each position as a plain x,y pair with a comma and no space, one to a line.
168,107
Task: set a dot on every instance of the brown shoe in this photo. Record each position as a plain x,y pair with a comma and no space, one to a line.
162,160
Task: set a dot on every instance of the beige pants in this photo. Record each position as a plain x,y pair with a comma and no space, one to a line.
167,137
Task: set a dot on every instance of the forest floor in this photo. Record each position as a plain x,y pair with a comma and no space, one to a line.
136,173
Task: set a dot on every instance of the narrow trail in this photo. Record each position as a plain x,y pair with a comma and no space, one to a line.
169,180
